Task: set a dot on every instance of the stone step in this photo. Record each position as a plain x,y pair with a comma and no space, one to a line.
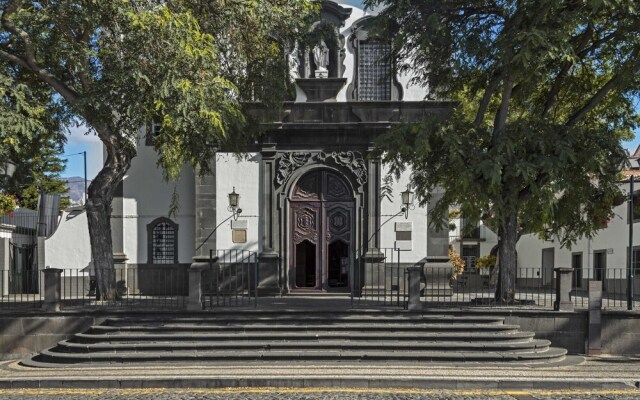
308,319
247,336
52,357
365,327
66,346
307,335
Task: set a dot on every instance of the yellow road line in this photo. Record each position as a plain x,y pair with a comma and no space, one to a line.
159,391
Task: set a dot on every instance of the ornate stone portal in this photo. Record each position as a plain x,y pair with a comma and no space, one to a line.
290,162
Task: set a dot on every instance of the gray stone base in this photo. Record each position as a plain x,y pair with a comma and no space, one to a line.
436,278
267,279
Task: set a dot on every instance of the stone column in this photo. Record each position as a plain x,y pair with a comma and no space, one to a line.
415,276
374,182
4,266
594,343
563,289
268,272
374,259
437,267
52,289
205,221
194,301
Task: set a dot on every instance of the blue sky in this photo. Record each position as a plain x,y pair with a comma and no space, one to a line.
78,142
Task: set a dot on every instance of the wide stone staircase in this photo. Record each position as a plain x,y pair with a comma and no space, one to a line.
299,336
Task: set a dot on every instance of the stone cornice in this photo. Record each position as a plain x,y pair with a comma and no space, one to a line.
347,115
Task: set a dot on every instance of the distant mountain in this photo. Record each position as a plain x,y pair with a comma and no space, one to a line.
75,184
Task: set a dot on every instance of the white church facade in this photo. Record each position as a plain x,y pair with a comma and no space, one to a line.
311,194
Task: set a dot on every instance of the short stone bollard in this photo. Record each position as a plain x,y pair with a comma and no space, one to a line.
52,289
594,343
564,279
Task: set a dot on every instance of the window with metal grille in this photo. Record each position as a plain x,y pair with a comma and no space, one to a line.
155,131
374,71
163,244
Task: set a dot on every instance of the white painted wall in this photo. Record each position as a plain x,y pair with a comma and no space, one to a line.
146,197
243,173
417,216
69,247
614,239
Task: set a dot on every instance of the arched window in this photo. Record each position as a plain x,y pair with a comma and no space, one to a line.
162,236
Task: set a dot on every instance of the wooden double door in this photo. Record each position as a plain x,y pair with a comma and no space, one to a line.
322,233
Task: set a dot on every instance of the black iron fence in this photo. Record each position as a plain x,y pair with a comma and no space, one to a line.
139,287
232,281
380,279
615,286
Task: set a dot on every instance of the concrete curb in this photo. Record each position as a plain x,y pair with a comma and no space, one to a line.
442,383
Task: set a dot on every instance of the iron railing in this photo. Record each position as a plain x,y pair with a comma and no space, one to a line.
139,287
232,280
614,289
478,288
380,280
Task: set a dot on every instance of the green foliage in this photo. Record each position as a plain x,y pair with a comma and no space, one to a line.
543,94
39,169
117,65
486,262
8,203
457,264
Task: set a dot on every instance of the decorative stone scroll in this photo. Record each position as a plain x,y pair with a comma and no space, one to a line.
290,162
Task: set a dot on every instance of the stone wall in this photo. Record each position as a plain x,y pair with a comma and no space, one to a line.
21,336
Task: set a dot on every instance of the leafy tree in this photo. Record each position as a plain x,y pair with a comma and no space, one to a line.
116,65
39,169
31,135
542,95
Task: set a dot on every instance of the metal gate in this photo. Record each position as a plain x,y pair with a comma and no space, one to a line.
380,282
232,280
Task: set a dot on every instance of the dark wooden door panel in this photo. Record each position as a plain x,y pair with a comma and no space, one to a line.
322,221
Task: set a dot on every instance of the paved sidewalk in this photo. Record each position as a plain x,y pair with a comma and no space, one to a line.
574,373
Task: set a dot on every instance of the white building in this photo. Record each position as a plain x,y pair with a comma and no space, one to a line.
312,212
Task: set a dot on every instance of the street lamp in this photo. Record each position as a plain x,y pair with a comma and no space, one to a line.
234,202
407,201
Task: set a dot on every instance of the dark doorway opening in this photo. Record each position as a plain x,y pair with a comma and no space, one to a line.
576,264
599,267
306,264
338,268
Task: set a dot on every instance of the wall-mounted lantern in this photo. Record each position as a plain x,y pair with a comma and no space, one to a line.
407,201
234,202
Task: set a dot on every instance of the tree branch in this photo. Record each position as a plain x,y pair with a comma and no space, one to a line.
29,61
604,91
503,111
486,98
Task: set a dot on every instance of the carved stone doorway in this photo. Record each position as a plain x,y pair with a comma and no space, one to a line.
322,233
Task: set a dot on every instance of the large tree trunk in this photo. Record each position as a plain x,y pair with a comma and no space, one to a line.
507,258
100,197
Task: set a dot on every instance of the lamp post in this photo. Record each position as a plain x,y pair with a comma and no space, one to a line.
407,201
630,269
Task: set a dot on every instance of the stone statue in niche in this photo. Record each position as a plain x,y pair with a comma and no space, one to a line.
321,58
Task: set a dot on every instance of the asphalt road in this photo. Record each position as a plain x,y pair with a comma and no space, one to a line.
312,394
